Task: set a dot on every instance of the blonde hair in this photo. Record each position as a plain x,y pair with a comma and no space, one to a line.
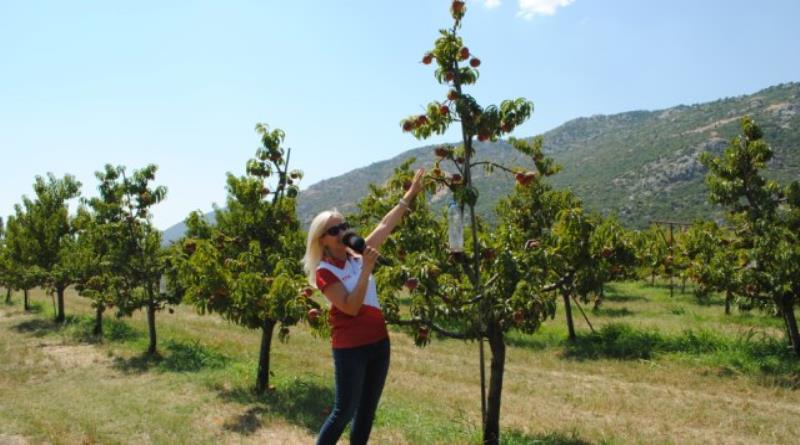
313,247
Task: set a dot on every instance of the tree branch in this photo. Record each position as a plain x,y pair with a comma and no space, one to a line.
439,329
501,167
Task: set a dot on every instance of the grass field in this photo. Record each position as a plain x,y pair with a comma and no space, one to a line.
657,370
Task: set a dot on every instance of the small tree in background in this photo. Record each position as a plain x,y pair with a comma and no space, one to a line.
21,273
5,264
246,267
48,234
713,262
654,252
102,226
131,258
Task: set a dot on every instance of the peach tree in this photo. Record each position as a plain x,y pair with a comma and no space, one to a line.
116,256
18,268
765,217
47,232
714,262
125,247
498,281
245,266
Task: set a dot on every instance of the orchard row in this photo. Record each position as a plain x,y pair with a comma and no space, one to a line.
545,249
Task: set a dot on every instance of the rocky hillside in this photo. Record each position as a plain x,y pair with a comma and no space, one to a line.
641,165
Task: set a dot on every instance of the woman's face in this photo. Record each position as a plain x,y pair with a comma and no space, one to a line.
331,238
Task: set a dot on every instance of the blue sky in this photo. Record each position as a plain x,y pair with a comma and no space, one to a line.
181,84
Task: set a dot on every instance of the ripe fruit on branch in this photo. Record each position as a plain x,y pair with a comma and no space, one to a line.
519,317
460,160
483,137
458,6
307,291
427,58
532,244
607,252
463,53
457,257
408,125
525,178
444,110
422,119
475,62
436,172
313,314
441,152
423,332
449,76
488,254
407,184
456,178
411,284
189,247
452,95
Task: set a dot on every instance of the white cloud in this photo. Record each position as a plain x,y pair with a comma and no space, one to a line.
531,8
491,4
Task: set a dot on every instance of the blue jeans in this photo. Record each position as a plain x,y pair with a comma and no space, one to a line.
360,374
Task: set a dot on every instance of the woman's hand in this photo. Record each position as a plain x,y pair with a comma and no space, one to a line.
368,258
416,184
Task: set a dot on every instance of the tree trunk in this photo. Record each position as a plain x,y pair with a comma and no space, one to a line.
262,378
728,300
98,321
791,326
683,284
8,295
151,326
60,312
27,302
653,277
568,312
491,429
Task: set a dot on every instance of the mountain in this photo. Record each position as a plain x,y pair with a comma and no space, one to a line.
641,165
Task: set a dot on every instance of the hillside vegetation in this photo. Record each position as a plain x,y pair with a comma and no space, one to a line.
641,165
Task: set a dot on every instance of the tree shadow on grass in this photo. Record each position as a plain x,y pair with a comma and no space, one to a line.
754,353
35,307
609,296
41,327
177,357
612,312
114,330
300,401
518,438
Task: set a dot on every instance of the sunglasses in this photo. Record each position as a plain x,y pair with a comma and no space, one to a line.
334,230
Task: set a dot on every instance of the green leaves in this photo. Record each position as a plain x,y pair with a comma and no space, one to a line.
245,267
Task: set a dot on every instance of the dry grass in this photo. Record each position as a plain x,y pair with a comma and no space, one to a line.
56,389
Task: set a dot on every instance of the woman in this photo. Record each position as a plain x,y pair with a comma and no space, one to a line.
359,337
